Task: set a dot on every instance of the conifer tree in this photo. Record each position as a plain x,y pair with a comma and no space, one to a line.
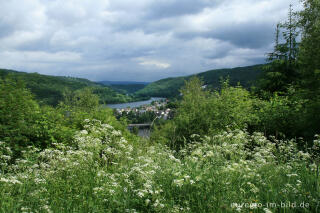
281,72
309,55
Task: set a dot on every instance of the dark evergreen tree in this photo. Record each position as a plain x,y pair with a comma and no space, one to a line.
281,72
309,59
309,55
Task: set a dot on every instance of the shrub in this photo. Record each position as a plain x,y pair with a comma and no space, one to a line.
201,112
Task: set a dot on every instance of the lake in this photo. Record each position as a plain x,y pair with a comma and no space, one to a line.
133,104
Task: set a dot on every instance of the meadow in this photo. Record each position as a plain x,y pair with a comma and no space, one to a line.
101,171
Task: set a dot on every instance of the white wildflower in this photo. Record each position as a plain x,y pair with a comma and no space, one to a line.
266,210
178,182
147,201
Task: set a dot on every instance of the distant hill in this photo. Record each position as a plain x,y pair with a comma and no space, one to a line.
127,87
122,82
49,89
169,87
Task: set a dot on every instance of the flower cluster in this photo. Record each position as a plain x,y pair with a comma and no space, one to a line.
103,171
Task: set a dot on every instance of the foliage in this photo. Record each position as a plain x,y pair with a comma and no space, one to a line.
103,172
127,88
138,118
280,116
309,58
281,72
83,99
293,74
49,90
309,55
18,112
168,87
24,123
201,112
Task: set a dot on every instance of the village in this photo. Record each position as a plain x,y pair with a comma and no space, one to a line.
146,113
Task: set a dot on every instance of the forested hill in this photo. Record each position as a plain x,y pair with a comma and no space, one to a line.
128,87
50,89
169,87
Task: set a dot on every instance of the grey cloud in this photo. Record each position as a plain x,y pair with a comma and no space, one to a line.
5,30
41,44
143,40
172,8
251,35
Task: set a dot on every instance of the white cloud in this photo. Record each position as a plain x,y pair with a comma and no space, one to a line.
154,63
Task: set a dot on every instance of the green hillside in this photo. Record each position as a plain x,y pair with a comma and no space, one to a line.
169,87
49,89
126,88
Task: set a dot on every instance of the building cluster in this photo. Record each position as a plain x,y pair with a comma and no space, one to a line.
157,107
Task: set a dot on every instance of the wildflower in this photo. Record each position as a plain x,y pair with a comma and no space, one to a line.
38,180
266,210
147,201
178,182
6,157
198,178
140,194
46,208
25,209
238,209
84,132
186,177
12,180
292,175
209,154
156,203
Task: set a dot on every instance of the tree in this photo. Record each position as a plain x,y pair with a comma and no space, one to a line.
309,58
309,54
281,72
202,112
17,113
191,117
295,71
82,99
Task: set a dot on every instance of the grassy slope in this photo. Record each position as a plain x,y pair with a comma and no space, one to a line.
169,87
49,89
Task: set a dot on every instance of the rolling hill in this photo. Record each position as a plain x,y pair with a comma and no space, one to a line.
49,89
127,87
169,87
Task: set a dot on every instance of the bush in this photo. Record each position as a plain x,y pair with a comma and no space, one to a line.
201,112
24,123
18,112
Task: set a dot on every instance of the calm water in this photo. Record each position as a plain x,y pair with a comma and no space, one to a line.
145,133
133,104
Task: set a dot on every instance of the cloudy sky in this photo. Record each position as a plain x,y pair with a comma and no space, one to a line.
136,40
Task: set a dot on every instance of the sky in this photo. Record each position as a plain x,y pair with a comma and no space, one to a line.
136,40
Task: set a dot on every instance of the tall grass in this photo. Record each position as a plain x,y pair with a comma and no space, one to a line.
103,172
